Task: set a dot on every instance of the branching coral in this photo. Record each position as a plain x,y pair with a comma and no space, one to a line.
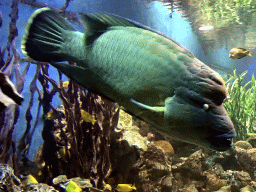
242,105
10,116
87,144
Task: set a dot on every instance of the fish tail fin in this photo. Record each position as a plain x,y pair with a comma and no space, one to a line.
48,37
248,53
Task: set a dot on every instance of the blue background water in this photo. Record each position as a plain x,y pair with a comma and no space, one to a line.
150,14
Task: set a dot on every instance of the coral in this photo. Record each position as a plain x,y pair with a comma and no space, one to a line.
87,143
225,189
154,170
38,187
94,151
214,183
252,139
192,167
243,145
165,146
125,120
90,148
8,181
61,183
153,153
241,178
247,188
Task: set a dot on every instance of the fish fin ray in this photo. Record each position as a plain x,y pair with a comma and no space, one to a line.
241,48
43,33
96,24
101,22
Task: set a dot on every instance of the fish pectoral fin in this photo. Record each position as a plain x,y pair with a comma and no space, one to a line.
148,108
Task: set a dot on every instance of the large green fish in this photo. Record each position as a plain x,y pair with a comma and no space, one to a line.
153,77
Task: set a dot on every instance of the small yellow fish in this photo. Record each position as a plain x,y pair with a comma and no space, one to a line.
65,84
126,187
63,154
85,116
28,179
238,53
73,187
51,115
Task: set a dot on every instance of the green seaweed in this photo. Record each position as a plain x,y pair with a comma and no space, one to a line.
242,105
219,13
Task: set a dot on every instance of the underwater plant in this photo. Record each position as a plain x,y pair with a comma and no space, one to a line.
85,144
242,105
218,13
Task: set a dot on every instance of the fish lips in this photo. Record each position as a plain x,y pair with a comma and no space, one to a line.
223,131
221,142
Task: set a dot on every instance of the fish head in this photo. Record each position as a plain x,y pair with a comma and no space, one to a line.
233,54
196,114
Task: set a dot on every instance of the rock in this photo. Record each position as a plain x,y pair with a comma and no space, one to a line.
133,137
190,188
253,184
126,145
61,183
153,153
40,187
191,167
225,189
167,183
82,183
8,181
246,159
60,179
241,179
153,170
252,139
214,183
243,144
165,146
125,119
247,188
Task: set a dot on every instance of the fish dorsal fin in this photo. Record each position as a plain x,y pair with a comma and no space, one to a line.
100,22
96,24
241,48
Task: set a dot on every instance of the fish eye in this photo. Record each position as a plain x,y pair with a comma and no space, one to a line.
199,104
205,106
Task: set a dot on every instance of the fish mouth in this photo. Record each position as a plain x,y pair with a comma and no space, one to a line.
222,142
